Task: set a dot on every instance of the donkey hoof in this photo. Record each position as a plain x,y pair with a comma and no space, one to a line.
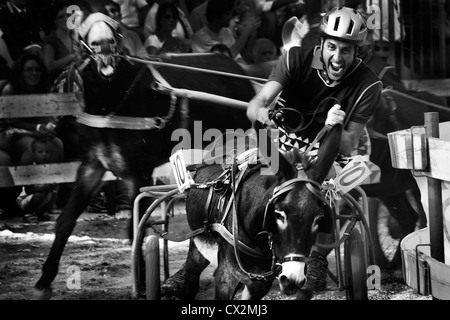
42,294
304,295
171,289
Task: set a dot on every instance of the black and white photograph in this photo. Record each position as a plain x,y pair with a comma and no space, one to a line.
225,157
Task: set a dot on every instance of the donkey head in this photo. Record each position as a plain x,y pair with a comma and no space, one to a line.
296,208
100,40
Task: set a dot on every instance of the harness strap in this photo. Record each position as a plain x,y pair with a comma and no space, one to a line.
236,241
167,236
293,258
220,228
346,234
312,186
208,203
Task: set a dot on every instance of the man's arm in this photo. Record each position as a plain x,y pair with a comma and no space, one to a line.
4,51
350,136
367,106
242,39
257,109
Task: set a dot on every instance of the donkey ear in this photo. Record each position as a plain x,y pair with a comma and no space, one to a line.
327,153
269,153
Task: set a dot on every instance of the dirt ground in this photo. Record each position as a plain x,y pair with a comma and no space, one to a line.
101,254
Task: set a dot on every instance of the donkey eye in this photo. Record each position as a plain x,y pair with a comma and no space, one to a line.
280,215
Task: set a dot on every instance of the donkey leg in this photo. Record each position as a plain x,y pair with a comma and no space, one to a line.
88,183
226,277
195,264
185,283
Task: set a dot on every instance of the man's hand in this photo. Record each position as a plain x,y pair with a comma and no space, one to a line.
261,114
335,116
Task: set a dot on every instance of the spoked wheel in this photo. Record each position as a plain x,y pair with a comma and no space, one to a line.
152,277
389,224
383,227
355,267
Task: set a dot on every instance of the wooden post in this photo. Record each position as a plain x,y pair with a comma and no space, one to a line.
436,223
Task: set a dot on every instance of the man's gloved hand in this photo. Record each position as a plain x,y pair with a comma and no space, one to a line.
335,116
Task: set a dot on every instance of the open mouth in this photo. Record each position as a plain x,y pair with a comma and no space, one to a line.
336,69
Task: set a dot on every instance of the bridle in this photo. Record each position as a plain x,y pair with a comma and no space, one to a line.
313,186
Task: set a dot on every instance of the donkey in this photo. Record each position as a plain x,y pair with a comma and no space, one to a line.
127,123
286,205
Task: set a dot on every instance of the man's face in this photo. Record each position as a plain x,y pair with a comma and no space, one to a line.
338,57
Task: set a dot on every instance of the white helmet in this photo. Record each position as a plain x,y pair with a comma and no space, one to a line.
344,24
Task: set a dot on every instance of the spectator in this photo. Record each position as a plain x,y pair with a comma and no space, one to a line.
265,58
132,11
57,49
131,40
16,136
266,11
222,49
183,28
197,18
264,51
28,77
21,27
166,22
217,30
174,45
313,18
6,62
37,201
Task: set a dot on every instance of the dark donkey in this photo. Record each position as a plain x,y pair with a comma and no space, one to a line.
287,205
127,125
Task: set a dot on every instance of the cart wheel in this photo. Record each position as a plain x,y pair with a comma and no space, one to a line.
383,227
152,276
355,267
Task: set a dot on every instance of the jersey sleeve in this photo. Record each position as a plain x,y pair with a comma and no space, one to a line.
367,103
282,72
